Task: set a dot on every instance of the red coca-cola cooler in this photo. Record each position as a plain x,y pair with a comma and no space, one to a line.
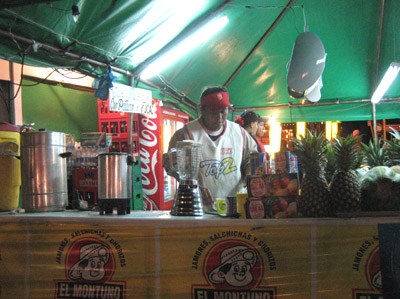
155,132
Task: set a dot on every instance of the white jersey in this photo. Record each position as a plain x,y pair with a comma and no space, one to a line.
221,160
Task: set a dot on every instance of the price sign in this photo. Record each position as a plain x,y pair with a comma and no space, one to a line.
124,98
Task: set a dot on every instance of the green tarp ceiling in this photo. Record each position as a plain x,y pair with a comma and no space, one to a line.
249,55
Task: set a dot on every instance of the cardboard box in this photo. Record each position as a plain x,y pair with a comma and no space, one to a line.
271,207
281,206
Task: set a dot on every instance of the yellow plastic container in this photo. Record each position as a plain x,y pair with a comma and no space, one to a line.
241,204
10,167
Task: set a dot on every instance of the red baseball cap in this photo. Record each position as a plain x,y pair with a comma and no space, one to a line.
216,101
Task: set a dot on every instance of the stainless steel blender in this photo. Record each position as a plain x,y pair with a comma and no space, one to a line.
185,159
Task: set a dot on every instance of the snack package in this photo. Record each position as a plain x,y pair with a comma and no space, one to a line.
283,184
256,208
286,162
281,206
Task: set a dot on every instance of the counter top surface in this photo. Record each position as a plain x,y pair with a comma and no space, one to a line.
165,219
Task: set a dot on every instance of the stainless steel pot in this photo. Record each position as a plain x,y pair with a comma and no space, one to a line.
114,175
114,182
43,171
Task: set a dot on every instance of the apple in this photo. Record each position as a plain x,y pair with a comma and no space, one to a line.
284,182
283,204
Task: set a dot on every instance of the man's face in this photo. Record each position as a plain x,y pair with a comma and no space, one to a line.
214,120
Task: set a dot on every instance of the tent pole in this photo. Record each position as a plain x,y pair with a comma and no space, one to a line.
378,49
366,101
266,34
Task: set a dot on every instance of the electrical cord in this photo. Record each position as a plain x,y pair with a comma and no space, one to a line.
19,85
70,72
60,35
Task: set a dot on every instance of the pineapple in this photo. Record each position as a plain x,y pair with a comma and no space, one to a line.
380,188
375,153
345,186
314,199
393,148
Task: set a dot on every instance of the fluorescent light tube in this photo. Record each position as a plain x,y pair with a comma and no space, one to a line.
164,21
387,80
300,129
186,46
328,130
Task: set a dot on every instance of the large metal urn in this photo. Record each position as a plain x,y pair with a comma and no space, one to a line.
43,171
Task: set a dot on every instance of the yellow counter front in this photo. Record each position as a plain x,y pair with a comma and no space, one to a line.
154,255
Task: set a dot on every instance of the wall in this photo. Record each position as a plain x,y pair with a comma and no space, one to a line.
11,72
60,109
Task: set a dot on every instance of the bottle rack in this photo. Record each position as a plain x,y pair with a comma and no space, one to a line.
105,113
117,123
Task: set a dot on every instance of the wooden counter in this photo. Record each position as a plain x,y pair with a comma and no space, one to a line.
144,254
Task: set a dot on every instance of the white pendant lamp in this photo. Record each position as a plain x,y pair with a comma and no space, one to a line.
304,78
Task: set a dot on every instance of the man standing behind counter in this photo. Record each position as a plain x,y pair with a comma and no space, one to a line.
225,148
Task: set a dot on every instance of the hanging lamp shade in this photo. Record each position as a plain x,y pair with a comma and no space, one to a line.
304,77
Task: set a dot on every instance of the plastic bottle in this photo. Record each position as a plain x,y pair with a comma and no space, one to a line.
78,157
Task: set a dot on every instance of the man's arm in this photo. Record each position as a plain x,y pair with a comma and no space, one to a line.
178,136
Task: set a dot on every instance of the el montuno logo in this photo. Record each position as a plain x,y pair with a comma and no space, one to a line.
233,267
89,267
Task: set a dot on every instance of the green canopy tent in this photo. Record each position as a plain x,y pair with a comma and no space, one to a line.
249,55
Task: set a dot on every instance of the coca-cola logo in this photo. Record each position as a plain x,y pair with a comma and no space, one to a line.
148,151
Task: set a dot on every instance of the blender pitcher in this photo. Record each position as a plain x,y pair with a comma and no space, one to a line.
185,159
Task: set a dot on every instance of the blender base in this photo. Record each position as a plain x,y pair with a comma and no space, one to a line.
187,200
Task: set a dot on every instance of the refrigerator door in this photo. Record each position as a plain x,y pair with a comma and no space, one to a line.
155,132
170,184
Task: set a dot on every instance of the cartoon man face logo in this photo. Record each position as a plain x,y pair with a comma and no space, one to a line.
235,267
90,266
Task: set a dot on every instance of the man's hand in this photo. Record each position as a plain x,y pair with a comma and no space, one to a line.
207,199
167,166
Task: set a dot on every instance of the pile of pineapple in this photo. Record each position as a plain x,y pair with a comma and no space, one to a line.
333,180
